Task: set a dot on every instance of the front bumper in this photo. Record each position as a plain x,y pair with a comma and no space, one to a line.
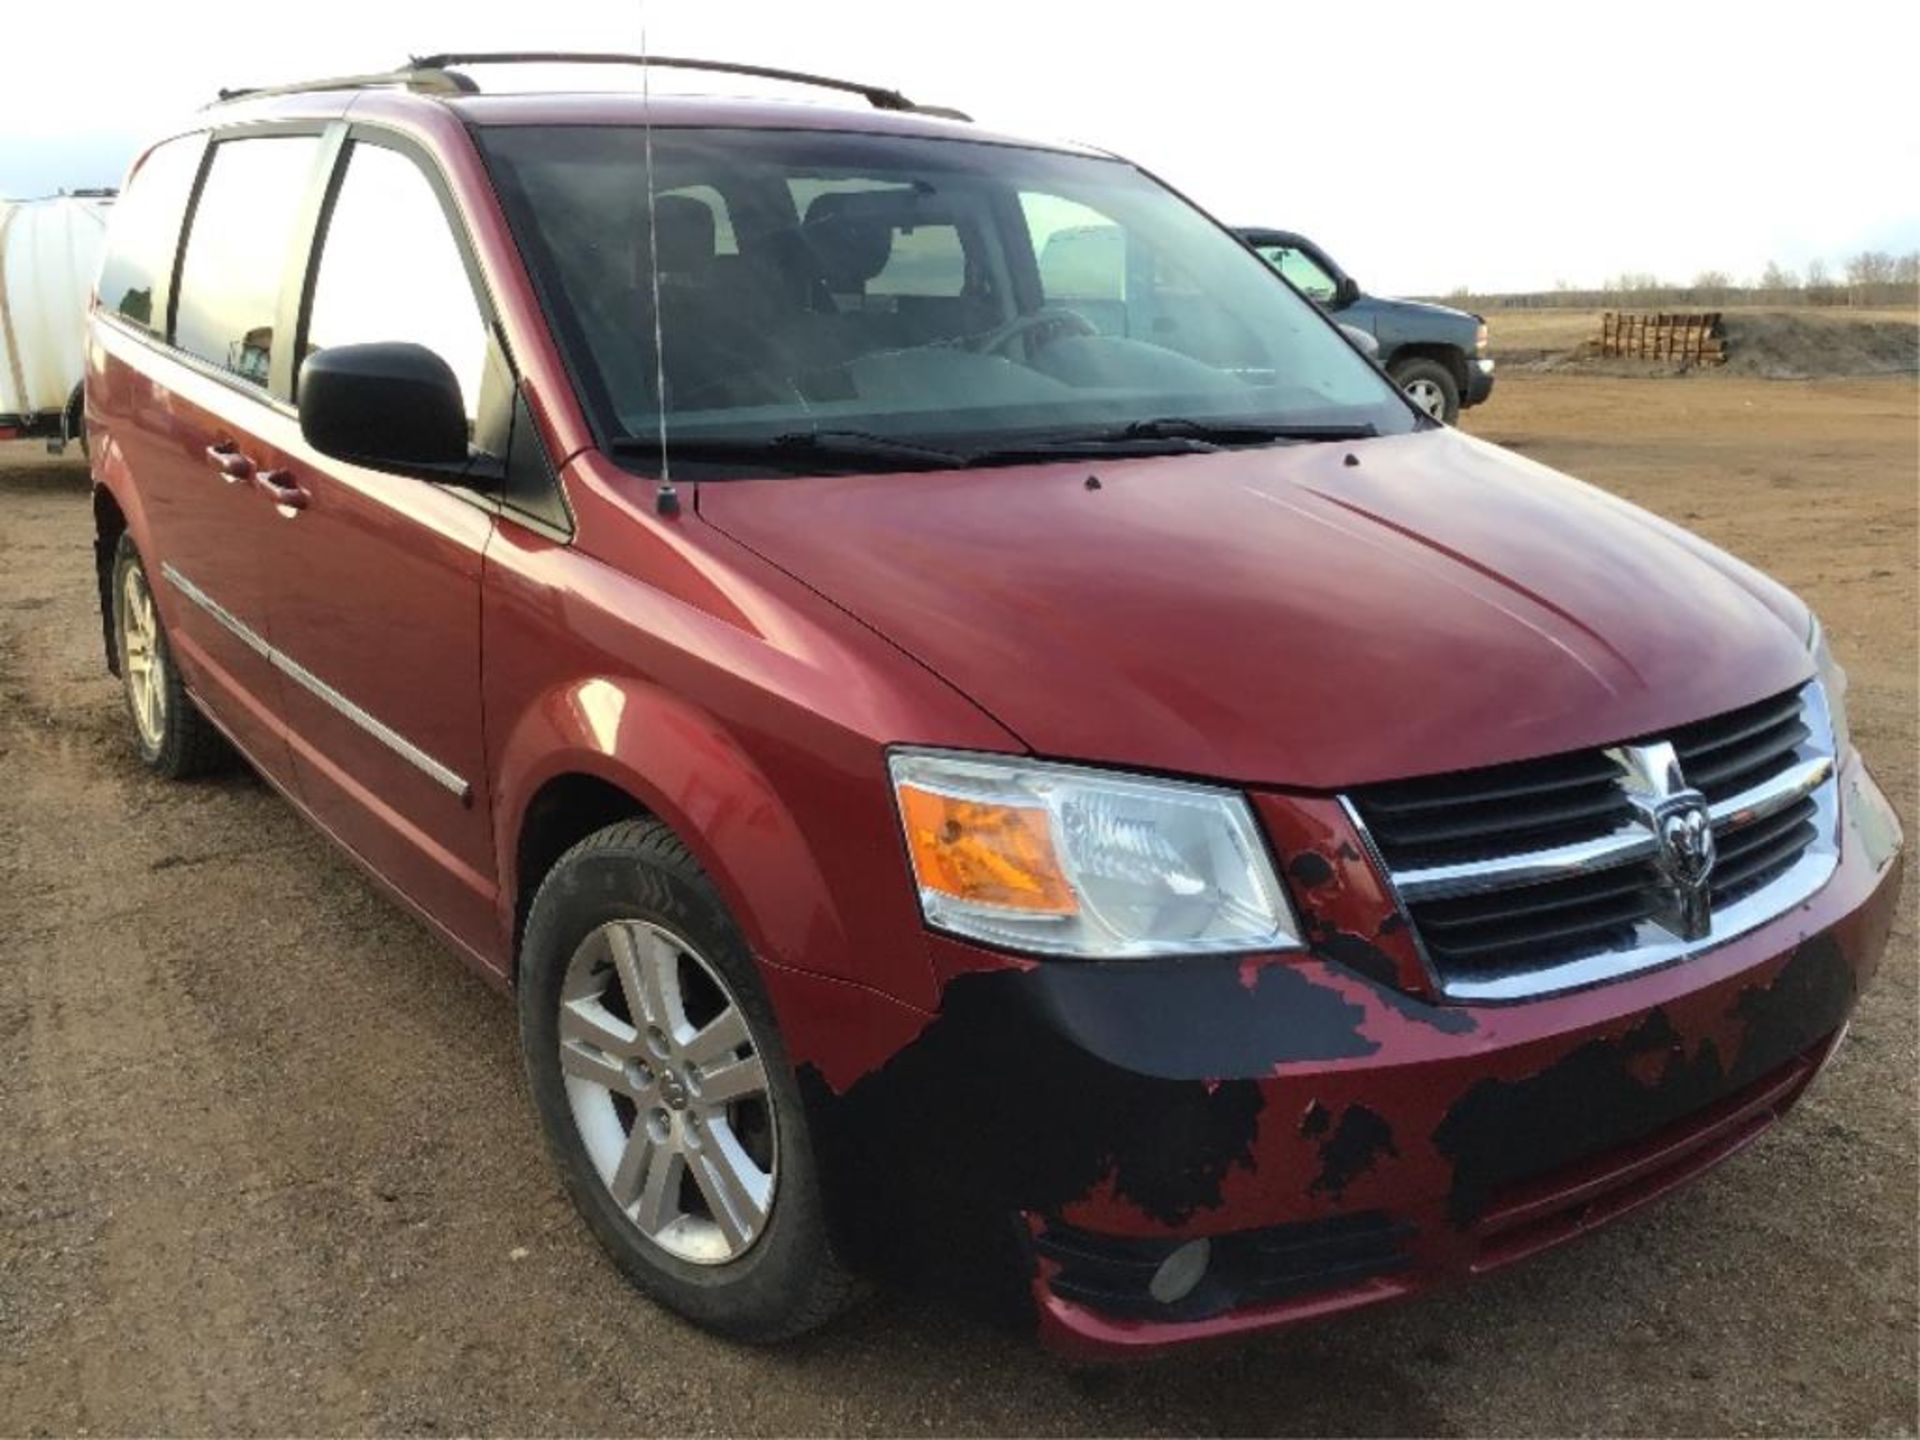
1338,1141
1479,381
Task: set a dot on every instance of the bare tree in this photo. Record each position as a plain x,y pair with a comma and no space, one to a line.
1870,267
1710,287
1817,274
1906,270
1635,287
1776,277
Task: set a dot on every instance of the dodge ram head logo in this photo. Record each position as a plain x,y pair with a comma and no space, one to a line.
1686,844
1682,829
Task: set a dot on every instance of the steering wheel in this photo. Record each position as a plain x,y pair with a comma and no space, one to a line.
1033,332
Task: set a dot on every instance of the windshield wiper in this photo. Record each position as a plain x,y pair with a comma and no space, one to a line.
1235,432
1172,435
802,451
799,450
1114,446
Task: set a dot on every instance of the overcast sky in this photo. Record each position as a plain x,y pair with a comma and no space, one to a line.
1497,145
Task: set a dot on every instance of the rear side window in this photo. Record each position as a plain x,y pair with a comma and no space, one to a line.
237,250
390,269
144,232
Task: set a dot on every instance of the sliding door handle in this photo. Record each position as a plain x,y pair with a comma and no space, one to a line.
229,462
280,487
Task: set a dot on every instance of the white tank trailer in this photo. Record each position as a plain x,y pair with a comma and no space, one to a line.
49,258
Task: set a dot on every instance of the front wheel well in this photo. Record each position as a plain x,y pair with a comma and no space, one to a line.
563,812
1451,356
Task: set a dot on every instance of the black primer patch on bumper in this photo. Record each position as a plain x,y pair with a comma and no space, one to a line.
1361,1137
1034,1088
1591,1100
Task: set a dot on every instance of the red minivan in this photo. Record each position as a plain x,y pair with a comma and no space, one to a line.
1024,761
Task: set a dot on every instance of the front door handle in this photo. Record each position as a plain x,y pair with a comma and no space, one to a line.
231,464
280,486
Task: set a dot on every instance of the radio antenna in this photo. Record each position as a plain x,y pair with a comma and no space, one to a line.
666,499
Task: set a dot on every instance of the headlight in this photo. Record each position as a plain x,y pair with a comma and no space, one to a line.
1480,339
1833,680
1064,861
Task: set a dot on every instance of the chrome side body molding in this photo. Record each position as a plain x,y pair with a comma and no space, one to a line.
314,685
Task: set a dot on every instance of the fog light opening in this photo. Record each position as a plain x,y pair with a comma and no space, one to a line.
1181,1272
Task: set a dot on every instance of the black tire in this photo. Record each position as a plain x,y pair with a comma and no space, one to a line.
74,422
1416,375
183,743
788,1281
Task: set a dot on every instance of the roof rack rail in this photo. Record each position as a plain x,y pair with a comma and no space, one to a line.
434,74
424,78
878,96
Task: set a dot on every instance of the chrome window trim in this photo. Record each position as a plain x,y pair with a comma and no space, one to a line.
312,683
160,346
1814,773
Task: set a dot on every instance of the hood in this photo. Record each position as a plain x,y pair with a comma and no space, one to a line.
1425,307
1418,318
1279,616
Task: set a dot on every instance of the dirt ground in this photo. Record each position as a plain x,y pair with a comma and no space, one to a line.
1808,342
266,1166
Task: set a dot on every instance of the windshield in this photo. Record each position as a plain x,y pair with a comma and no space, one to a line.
951,294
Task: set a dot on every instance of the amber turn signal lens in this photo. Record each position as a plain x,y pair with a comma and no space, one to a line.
985,853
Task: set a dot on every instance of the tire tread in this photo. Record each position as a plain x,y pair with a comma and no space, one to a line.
651,845
192,745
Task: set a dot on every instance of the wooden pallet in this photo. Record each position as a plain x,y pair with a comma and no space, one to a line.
1691,338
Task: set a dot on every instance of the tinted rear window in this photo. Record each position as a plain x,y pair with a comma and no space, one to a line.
144,232
237,248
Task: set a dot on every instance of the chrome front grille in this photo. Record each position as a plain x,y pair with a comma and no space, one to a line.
1552,874
1754,855
1492,932
1534,805
1730,753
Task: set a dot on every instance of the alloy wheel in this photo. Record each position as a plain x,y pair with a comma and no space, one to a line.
142,660
668,1091
1427,396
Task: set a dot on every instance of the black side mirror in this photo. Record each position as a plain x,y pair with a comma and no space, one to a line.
391,405
1345,291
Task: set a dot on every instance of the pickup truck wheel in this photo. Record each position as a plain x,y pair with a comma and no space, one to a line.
664,1090
1431,386
171,735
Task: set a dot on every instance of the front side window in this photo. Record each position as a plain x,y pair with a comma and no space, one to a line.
1300,268
945,293
237,250
144,232
1082,253
390,270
